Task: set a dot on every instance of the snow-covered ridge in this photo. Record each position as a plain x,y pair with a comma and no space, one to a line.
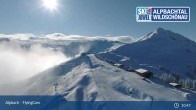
161,51
87,78
161,33
90,79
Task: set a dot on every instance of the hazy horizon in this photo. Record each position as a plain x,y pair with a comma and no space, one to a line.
87,18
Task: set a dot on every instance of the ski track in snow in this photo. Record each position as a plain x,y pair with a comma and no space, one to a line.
96,80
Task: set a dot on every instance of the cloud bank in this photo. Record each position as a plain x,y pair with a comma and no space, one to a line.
60,36
18,63
21,62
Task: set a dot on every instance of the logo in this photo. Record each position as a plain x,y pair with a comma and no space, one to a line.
162,14
143,14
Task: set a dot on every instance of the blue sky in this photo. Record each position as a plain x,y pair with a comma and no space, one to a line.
88,17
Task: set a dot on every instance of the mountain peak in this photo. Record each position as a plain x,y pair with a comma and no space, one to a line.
160,30
162,34
156,33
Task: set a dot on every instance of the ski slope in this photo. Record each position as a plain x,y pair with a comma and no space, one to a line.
87,78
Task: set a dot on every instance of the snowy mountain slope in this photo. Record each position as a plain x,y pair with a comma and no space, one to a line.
161,51
90,79
32,54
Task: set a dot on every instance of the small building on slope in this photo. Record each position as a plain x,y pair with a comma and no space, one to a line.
144,72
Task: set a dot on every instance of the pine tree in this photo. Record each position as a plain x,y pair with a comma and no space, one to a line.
188,83
194,84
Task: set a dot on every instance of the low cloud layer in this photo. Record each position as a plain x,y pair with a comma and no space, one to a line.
24,36
18,63
60,36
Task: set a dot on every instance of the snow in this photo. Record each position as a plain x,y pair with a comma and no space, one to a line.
161,51
173,84
90,79
141,70
117,64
